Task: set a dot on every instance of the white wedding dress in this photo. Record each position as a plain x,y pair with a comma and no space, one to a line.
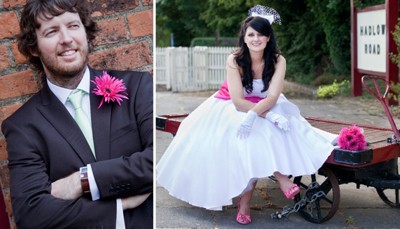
207,165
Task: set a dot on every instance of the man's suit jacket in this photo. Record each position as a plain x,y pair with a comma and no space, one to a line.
45,144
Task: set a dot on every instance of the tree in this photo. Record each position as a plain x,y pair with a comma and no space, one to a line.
181,18
314,36
334,17
224,17
300,39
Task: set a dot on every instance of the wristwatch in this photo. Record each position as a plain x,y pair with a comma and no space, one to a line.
84,180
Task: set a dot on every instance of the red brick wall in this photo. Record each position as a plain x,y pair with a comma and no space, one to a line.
125,41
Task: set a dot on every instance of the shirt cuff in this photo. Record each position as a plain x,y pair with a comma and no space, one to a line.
120,221
94,190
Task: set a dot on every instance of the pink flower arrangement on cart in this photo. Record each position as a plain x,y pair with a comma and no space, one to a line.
352,138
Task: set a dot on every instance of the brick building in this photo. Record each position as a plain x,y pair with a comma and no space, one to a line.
125,41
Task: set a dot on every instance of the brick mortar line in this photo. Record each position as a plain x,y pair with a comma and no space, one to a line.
11,56
11,9
7,40
14,69
20,99
121,13
100,48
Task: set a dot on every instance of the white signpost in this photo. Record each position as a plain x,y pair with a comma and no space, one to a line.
371,37
371,43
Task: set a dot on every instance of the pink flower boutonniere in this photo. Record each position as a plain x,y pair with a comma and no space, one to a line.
352,138
110,88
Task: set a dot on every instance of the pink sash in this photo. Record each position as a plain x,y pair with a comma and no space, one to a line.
223,93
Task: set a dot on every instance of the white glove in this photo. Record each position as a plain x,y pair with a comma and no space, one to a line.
247,123
278,120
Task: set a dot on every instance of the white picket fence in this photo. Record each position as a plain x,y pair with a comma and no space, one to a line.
183,69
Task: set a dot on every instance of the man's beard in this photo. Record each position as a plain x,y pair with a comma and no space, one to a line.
64,71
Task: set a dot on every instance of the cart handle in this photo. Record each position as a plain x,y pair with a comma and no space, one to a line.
378,93
382,98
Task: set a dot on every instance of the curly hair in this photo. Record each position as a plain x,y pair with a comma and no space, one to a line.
270,56
27,39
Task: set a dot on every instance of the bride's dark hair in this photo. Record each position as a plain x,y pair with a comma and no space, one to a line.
271,53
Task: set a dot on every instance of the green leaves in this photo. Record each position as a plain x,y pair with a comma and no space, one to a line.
314,36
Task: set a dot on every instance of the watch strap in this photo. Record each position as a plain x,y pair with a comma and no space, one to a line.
84,180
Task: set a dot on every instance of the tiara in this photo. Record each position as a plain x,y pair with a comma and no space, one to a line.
265,12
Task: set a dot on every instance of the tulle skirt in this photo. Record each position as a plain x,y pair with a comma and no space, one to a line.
207,165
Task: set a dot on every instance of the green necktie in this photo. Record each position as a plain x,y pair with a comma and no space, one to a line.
81,117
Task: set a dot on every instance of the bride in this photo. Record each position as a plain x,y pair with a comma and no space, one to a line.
245,131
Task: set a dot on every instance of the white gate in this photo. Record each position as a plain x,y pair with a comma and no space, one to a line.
185,69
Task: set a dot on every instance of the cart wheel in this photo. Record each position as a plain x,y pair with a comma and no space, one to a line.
389,196
324,207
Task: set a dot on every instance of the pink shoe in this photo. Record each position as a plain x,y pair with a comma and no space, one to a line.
291,192
242,218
